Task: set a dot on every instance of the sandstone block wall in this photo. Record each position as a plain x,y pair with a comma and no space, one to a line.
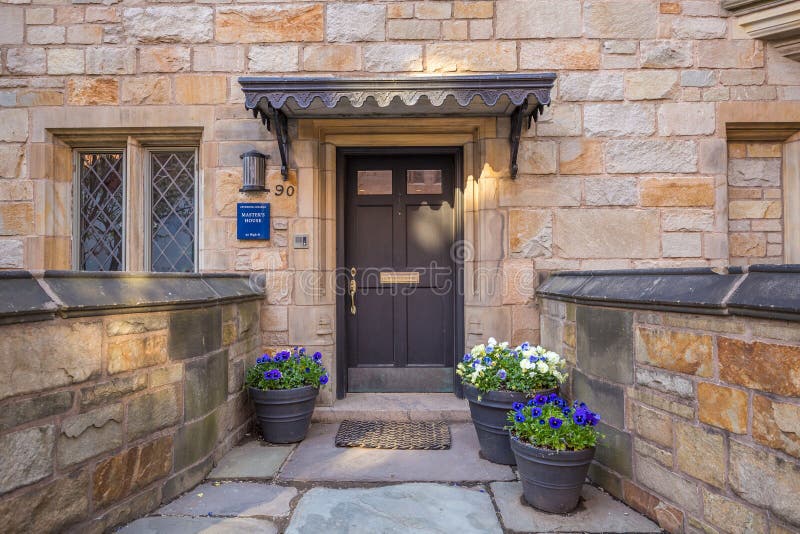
627,169
105,417
700,413
755,202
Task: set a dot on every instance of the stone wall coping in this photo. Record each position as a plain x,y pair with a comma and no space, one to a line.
770,291
37,296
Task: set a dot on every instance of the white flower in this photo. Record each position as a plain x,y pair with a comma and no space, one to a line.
542,367
552,357
492,341
479,368
477,350
539,349
525,364
504,345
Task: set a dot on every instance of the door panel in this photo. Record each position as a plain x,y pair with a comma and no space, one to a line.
401,337
428,327
427,241
375,344
374,248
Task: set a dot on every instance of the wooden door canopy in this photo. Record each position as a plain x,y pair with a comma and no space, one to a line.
519,96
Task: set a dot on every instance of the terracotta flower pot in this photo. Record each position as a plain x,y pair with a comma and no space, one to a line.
490,417
551,480
284,414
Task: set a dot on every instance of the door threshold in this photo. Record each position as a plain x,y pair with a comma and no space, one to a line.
395,407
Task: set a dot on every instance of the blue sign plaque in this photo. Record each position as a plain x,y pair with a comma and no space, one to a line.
252,220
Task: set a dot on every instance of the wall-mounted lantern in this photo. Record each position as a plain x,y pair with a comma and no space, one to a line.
254,171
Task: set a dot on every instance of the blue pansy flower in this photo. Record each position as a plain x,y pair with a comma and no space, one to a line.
540,400
307,369
579,418
519,417
530,402
566,411
487,361
525,346
501,374
536,411
317,357
541,421
467,358
552,397
555,422
323,379
517,406
490,348
302,350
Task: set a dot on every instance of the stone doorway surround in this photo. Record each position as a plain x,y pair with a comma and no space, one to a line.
486,153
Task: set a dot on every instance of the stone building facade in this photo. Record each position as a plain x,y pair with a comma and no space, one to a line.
629,167
669,141
672,140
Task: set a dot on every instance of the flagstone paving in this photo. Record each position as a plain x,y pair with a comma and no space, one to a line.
423,508
239,499
251,460
598,512
317,460
193,525
316,488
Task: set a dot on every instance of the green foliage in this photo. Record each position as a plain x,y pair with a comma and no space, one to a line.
495,366
550,423
287,370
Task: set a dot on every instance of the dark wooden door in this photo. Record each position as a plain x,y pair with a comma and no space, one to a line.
399,307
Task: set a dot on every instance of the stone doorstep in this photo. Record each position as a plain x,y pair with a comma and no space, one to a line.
395,407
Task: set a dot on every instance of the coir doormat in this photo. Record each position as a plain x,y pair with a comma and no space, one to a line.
402,435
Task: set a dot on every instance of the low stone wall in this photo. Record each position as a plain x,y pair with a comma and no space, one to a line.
117,393
697,378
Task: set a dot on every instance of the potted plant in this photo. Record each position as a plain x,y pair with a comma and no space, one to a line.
554,445
495,377
284,390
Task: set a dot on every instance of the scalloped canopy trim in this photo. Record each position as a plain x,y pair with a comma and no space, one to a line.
463,89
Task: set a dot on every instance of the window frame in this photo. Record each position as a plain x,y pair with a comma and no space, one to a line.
147,201
76,203
137,199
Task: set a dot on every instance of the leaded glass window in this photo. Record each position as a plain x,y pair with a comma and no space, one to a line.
101,201
173,211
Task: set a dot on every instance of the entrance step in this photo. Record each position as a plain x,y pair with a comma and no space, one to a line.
395,407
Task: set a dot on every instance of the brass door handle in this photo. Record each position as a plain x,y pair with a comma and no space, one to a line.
353,291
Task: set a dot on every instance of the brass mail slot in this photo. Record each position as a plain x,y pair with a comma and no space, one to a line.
400,278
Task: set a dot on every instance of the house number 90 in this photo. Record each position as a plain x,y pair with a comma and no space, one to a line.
289,190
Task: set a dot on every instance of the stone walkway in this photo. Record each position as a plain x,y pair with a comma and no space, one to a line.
316,488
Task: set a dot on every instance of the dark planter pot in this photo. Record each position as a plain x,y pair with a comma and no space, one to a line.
490,417
284,414
551,480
